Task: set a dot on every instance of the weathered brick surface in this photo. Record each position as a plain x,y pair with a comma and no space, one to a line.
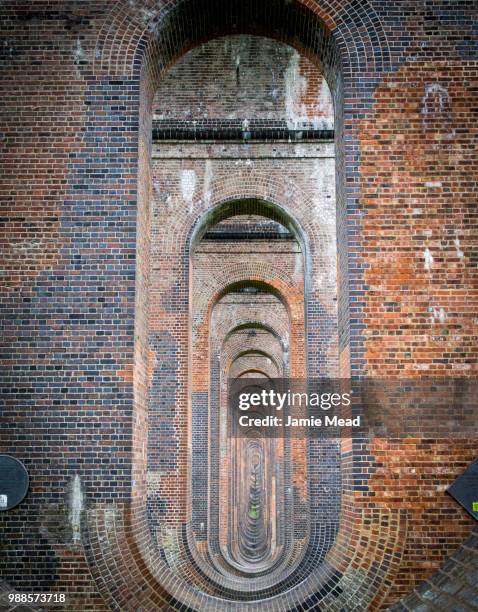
95,295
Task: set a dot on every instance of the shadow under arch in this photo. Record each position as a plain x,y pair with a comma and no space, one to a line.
258,352
236,206
253,371
290,22
261,286
252,325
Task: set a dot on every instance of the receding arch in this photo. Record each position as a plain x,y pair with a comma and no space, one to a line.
258,352
251,282
141,45
253,206
252,325
253,372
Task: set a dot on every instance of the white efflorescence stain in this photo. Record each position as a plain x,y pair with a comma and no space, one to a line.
79,55
441,315
428,259
436,99
297,113
295,87
459,252
76,507
208,177
437,313
188,187
324,215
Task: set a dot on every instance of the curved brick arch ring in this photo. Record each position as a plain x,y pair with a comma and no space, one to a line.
229,350
236,356
277,326
267,277
227,199
251,361
252,190
271,278
280,200
226,192
251,324
270,321
234,346
133,30
269,352
253,371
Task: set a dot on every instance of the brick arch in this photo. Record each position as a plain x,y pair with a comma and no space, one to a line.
177,243
291,205
281,200
276,325
271,279
253,361
234,347
118,55
130,27
133,579
237,352
124,203
224,280
272,321
231,207
253,371
251,324
342,39
276,283
231,347
233,353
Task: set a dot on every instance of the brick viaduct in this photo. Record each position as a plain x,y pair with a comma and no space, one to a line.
199,190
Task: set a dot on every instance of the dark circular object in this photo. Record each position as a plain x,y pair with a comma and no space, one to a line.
13,482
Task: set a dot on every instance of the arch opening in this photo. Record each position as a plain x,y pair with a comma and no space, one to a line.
249,543
199,203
